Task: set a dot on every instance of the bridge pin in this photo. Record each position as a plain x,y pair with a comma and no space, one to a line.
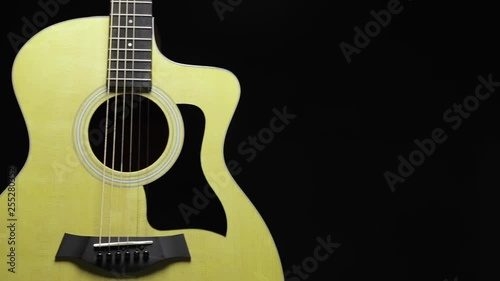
109,256
136,255
127,255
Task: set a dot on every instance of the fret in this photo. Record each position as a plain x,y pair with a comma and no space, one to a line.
141,70
130,70
130,26
131,39
132,1
128,79
136,75
129,60
116,3
133,50
131,15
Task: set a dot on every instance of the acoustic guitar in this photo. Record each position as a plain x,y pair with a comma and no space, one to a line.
116,130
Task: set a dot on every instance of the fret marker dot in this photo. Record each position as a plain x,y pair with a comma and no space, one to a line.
130,44
130,21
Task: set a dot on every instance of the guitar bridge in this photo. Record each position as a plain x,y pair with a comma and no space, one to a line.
131,257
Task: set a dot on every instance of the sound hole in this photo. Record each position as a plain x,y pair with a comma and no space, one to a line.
136,134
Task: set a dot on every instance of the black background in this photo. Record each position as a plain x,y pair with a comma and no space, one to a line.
324,174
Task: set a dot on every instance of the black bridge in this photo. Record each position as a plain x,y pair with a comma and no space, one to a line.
123,257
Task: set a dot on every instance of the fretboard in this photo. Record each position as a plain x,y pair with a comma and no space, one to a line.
130,46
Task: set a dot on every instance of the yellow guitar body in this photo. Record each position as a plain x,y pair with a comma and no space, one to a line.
58,77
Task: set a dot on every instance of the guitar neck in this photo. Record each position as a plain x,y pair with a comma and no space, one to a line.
130,46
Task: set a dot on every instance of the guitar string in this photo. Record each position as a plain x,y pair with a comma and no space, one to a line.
139,150
148,103
132,93
125,72
106,126
148,133
139,154
115,117
131,142
131,100
123,202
